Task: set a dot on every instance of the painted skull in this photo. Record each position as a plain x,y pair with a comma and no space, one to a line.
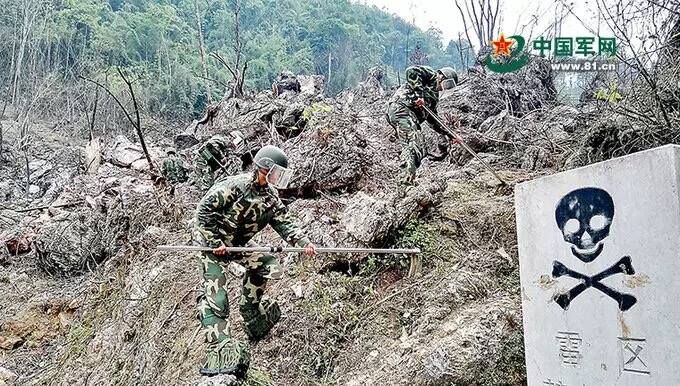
584,216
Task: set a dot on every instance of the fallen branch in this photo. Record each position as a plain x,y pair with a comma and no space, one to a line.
68,204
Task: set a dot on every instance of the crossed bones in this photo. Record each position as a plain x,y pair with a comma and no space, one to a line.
624,266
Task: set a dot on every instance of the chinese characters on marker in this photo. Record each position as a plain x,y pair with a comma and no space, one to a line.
568,46
570,347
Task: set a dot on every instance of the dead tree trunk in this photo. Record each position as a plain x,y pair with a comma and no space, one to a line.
26,28
24,143
329,69
483,17
136,123
2,159
238,72
201,48
237,76
2,141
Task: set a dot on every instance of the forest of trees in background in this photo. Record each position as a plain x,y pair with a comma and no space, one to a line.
165,47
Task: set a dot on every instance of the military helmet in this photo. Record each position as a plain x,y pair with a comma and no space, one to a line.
215,148
286,74
220,142
275,162
449,73
450,78
270,155
170,151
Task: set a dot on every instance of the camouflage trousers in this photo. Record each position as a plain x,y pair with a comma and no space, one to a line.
259,315
204,176
411,139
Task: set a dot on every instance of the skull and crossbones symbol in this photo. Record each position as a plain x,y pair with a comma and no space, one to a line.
584,216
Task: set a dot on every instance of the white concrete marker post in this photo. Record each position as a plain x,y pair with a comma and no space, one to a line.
599,251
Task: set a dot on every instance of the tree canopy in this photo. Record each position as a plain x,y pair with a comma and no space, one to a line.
160,42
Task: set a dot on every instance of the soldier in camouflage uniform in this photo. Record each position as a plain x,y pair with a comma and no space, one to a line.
405,114
286,82
173,168
212,160
232,212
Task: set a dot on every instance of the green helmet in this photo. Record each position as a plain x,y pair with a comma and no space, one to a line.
219,142
269,156
449,73
215,148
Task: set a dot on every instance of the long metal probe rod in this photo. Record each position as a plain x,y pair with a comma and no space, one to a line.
195,248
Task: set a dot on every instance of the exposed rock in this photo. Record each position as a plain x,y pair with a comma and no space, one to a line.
10,342
218,380
285,82
334,156
311,85
7,375
123,152
483,94
127,154
184,141
82,237
38,169
373,86
34,190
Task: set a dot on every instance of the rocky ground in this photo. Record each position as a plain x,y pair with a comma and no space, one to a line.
87,299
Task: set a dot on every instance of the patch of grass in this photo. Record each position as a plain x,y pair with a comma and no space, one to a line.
258,377
79,335
432,237
509,367
318,107
335,305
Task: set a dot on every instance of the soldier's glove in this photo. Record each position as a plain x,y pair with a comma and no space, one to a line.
310,250
220,251
420,103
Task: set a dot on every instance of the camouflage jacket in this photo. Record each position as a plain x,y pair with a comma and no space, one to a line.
173,169
236,208
421,82
214,151
286,84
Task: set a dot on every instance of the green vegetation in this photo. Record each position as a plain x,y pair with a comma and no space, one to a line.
46,46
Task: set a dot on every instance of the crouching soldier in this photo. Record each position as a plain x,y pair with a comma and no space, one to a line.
212,160
405,113
172,168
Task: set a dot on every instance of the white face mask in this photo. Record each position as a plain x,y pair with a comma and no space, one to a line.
448,84
238,141
279,177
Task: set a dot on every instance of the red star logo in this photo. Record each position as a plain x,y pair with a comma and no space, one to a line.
501,46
